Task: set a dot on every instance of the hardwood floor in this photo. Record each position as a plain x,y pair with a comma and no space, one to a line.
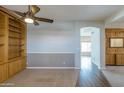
92,78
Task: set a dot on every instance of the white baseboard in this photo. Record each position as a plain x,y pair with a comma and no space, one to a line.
52,68
50,53
103,68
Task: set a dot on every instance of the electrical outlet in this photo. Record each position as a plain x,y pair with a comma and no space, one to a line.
64,62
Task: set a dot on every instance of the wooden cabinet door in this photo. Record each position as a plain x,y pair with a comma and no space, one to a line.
120,59
16,66
19,65
11,69
110,59
13,66
23,63
3,72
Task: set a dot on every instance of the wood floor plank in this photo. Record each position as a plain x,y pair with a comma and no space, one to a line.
92,78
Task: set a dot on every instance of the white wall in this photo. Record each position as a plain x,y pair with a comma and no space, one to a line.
56,37
115,25
95,54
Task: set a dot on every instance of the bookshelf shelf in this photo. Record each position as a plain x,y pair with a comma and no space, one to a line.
1,44
12,25
1,35
15,31
14,37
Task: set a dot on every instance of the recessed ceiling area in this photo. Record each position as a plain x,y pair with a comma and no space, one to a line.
72,12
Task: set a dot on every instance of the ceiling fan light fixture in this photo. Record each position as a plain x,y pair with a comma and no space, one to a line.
29,16
29,20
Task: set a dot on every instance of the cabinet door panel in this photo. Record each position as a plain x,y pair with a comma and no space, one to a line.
16,66
3,72
23,62
110,59
111,50
119,59
11,69
19,65
13,66
120,51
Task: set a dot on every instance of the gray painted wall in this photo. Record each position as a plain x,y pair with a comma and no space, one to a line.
51,59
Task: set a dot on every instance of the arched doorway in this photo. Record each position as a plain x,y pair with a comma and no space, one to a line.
90,47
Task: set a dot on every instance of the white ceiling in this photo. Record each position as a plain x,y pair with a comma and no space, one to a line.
120,19
72,12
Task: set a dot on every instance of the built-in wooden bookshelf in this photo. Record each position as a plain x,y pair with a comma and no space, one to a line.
2,28
12,44
114,55
14,39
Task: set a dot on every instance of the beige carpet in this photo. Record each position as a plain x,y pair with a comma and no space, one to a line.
44,78
115,75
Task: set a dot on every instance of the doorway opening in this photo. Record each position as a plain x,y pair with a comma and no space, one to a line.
90,47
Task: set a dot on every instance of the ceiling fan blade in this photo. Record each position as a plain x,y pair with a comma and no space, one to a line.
36,23
19,13
34,9
43,19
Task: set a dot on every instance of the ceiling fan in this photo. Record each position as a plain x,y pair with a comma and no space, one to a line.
29,16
